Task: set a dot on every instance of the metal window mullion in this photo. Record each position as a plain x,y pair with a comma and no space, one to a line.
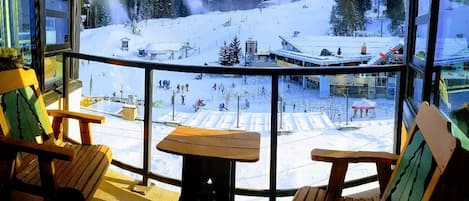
431,43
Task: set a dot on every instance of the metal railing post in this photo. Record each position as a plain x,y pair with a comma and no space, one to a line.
273,139
147,125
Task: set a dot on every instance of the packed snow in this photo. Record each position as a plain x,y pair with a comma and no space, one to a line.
307,120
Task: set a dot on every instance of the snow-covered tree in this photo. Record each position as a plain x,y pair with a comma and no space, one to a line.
395,11
224,56
345,18
235,50
362,7
230,54
100,13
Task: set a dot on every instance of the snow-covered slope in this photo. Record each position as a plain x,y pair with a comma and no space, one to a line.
209,31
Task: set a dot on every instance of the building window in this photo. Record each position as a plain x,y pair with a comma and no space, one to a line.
57,23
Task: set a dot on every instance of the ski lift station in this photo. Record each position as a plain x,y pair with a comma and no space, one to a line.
319,51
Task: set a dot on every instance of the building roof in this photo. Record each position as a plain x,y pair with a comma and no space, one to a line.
451,51
309,48
161,47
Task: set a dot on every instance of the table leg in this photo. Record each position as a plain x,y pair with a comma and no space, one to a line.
196,172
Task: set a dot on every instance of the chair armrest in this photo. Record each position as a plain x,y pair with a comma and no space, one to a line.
340,161
76,115
42,150
84,121
353,156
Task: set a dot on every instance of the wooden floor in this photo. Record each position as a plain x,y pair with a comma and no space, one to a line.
116,186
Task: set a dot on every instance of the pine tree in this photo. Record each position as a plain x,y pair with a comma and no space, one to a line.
235,50
362,7
224,57
345,18
395,11
100,13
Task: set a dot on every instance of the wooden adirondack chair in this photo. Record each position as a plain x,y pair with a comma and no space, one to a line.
35,157
431,158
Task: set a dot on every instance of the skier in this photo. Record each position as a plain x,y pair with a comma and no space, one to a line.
222,107
187,87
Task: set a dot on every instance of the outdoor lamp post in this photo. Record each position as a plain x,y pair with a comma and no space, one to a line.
346,105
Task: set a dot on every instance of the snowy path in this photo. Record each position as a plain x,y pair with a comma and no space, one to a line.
250,121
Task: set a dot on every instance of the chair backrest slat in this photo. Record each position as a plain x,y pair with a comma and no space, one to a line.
424,158
22,110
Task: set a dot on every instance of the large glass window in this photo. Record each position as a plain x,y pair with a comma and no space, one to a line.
452,54
258,34
15,26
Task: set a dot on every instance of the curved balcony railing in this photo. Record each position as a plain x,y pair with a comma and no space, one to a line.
274,72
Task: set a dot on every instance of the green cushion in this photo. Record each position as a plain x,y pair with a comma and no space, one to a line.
23,114
414,171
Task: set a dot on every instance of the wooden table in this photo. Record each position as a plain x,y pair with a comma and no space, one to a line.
209,156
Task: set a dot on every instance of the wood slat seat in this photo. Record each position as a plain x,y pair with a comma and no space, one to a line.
80,174
308,193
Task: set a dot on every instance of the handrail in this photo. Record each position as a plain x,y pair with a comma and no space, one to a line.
241,70
275,72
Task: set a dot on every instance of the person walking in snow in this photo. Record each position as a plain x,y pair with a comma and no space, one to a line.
187,87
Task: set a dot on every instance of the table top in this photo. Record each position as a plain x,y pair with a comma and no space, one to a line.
227,144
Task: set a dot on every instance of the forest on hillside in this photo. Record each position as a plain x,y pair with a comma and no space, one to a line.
138,10
347,16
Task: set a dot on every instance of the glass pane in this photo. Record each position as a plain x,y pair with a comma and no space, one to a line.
226,102
53,69
345,112
57,30
113,92
416,89
420,53
57,5
15,28
424,7
452,55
